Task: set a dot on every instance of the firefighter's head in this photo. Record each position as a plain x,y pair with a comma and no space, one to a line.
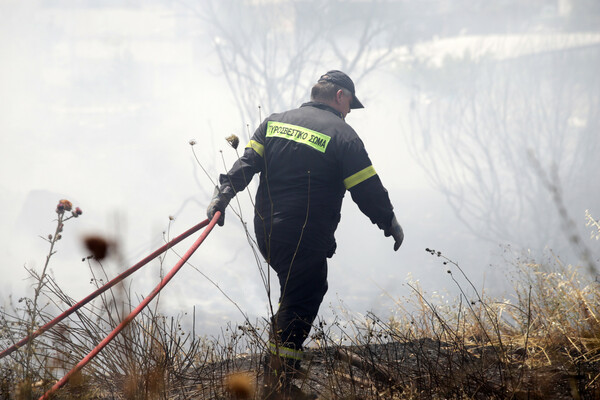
336,89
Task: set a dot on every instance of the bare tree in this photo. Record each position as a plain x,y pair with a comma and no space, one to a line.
272,51
476,126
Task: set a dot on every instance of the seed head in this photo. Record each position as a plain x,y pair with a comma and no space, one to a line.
239,385
97,245
233,141
192,142
67,205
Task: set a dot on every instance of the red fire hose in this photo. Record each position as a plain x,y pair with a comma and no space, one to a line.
104,288
139,308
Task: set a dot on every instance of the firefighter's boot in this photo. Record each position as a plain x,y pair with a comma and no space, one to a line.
279,373
273,378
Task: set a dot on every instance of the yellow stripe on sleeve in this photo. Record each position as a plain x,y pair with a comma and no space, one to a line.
257,147
359,177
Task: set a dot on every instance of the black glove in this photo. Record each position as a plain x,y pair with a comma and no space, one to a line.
395,230
219,202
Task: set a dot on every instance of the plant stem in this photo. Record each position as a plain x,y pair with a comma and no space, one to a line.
40,284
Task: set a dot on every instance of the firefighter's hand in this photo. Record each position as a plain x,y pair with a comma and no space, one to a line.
395,230
219,202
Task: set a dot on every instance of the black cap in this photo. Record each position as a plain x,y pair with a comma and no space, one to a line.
341,79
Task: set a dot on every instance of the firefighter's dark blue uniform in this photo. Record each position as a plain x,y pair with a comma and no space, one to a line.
307,158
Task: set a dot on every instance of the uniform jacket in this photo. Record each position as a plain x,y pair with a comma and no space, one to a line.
307,158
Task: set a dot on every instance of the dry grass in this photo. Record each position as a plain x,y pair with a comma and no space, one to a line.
544,343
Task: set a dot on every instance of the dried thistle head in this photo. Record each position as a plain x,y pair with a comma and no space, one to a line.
77,212
64,205
98,246
240,385
233,141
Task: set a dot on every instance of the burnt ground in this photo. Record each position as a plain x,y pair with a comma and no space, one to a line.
416,369
421,369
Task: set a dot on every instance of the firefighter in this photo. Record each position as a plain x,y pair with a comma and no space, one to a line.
307,159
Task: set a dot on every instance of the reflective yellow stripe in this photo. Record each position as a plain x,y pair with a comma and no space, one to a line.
360,176
286,352
257,147
299,134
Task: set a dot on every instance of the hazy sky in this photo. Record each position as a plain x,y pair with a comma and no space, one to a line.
98,106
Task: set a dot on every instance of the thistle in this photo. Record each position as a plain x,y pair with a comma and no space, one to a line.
233,141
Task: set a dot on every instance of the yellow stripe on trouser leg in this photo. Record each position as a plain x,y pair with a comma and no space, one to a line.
286,352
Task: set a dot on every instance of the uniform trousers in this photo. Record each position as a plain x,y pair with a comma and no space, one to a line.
302,275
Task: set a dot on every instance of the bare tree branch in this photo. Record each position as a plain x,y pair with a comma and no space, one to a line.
472,134
271,53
